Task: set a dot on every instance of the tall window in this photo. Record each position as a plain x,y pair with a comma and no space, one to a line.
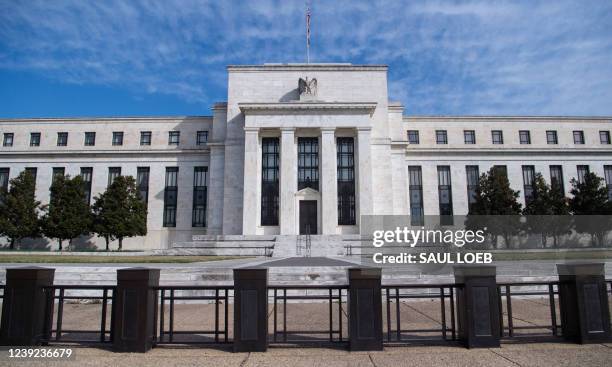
445,194
174,137
556,178
551,137
579,137
441,137
413,136
525,137
608,176
415,181
604,137
142,181
8,139
269,181
145,138
117,137
346,181
62,139
170,196
34,139
469,136
583,170
497,136
202,138
198,218
33,171
472,175
58,171
90,139
528,183
4,178
113,173
86,175
308,163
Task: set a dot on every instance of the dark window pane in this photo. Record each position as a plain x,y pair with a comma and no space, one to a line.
525,137
469,136
308,163
413,136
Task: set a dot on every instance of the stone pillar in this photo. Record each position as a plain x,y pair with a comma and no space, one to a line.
27,307
250,310
364,172
135,310
365,309
214,216
583,301
477,306
288,182
251,181
329,183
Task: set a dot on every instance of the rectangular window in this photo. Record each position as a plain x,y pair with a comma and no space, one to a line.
346,181
525,137
86,175
579,137
8,139
528,183
145,138
604,137
556,178
469,136
441,137
473,177
174,137
415,181
608,176
62,139
270,163
308,163
170,196
202,138
198,218
551,137
445,195
497,136
501,169
413,136
4,178
583,170
113,173
117,137
90,139
34,139
58,171
142,181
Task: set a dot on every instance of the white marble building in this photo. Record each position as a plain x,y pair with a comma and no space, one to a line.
281,157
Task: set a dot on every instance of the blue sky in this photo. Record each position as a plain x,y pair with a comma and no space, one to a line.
164,57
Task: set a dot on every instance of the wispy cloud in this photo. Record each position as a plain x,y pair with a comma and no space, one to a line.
473,57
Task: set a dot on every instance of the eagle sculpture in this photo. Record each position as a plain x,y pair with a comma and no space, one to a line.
307,87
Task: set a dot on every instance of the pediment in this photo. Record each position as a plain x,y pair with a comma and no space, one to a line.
308,191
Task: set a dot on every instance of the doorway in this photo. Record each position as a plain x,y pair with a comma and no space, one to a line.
308,217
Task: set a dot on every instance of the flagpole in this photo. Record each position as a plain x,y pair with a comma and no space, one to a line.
307,33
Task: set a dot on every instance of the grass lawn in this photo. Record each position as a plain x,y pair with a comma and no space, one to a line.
554,255
108,259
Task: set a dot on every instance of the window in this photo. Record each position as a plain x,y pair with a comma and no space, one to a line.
551,137
556,178
441,137
413,136
57,172
62,139
202,138
145,138
86,175
142,182
608,176
308,163
90,139
579,137
500,169
445,195
469,136
269,181
174,137
346,181
415,180
497,136
113,173
604,137
473,176
4,179
528,183
34,139
33,171
8,139
117,137
170,196
199,196
583,170
525,137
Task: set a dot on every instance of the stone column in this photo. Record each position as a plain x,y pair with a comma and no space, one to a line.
364,172
249,209
288,182
329,184
216,170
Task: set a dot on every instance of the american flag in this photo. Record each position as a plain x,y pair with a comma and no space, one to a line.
308,27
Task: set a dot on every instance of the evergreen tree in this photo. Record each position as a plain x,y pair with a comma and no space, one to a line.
119,212
590,197
68,215
19,210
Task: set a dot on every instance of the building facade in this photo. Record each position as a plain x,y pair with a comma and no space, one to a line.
300,149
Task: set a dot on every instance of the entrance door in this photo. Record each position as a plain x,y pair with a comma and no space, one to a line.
308,217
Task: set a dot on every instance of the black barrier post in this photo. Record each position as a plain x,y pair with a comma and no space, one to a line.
583,300
477,306
135,310
27,306
250,310
365,309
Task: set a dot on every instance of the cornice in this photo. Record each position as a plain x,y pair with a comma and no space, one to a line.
258,107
